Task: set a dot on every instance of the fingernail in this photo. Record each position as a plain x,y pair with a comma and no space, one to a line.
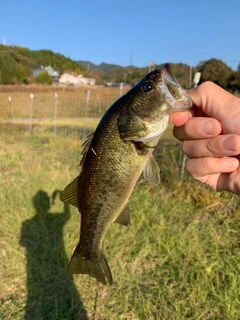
230,144
230,163
208,127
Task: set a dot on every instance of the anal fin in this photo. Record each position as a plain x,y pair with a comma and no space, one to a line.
124,217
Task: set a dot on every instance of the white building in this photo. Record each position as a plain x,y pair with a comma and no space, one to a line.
87,80
67,78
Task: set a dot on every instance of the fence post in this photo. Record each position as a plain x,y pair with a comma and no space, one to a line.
86,113
120,89
10,105
183,168
31,112
55,113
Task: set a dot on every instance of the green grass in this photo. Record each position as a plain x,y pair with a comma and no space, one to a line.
178,259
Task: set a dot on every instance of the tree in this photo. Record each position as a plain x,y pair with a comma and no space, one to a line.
20,75
235,80
7,69
216,71
43,78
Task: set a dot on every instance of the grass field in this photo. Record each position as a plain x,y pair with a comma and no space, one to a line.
178,259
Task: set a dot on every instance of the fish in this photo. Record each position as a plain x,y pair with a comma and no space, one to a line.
113,158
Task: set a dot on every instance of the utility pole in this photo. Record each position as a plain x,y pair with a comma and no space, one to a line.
190,75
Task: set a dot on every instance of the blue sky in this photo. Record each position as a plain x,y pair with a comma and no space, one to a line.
126,31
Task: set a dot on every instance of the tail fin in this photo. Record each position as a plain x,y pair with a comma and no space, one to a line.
98,269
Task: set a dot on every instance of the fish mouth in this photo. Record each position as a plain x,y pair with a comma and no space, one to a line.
175,95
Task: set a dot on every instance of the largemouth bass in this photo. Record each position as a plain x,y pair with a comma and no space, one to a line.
113,158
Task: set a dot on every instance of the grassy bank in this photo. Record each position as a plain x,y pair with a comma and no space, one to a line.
178,259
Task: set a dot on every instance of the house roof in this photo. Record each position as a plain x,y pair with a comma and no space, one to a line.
53,73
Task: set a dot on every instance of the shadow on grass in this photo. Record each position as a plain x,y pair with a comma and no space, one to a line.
51,291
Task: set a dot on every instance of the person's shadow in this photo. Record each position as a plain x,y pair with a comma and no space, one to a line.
51,291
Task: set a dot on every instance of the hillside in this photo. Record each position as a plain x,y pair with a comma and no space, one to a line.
17,64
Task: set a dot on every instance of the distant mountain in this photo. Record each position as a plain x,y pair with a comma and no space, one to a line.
104,67
105,72
130,75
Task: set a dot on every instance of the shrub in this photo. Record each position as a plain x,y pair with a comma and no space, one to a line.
43,78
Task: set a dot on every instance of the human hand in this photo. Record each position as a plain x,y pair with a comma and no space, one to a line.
211,137
54,195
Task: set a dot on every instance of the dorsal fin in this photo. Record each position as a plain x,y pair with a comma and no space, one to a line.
124,217
70,193
152,172
86,145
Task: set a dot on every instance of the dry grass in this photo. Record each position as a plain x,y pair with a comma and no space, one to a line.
71,100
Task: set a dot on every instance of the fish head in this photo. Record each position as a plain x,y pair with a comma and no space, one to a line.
150,102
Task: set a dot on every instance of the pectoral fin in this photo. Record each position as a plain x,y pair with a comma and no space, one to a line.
152,172
124,217
70,193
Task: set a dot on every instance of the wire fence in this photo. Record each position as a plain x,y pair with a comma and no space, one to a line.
73,118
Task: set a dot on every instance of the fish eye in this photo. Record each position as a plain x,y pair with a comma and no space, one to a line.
147,87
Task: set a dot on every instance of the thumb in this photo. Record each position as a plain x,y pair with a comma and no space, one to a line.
219,104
